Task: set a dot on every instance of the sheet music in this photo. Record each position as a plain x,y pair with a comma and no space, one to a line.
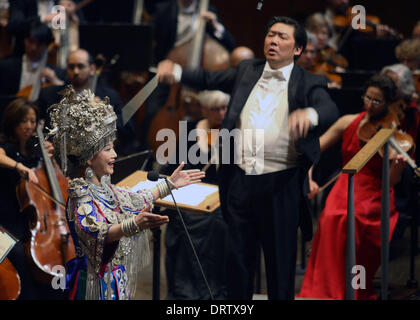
6,243
192,194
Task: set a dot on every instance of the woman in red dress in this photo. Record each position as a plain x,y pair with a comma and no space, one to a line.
325,273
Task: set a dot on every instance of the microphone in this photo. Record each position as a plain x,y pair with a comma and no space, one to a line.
154,176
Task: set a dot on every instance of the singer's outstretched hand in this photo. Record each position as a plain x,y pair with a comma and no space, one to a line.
182,178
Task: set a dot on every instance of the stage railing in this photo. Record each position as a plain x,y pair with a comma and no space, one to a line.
351,168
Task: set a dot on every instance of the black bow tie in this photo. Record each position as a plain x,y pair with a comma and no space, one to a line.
276,74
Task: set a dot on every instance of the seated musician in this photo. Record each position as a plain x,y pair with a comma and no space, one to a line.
23,13
18,157
325,275
342,8
208,230
307,59
327,61
80,73
173,23
408,53
415,34
17,73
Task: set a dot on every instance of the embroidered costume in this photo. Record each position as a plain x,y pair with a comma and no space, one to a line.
83,126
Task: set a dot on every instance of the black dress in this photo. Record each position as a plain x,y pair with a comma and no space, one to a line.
17,223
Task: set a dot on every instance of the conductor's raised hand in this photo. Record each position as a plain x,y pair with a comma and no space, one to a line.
299,123
181,178
165,72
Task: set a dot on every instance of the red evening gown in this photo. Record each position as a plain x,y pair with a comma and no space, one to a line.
325,274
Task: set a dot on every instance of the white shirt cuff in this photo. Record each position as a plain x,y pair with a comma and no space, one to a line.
312,115
219,30
177,72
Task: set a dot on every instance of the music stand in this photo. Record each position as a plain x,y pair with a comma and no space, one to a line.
132,44
372,54
211,203
355,78
348,100
129,164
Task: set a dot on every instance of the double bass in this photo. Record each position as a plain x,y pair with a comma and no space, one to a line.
50,244
200,52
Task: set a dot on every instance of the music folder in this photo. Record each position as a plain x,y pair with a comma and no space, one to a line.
196,198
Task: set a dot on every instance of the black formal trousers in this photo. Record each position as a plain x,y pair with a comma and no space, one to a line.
263,210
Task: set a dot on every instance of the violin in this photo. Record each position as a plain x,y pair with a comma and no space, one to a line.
401,142
50,244
342,22
368,129
326,63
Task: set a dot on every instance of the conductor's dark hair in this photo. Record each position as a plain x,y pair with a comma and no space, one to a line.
385,84
299,33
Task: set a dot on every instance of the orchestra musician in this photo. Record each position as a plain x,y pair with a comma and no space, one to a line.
173,24
327,61
18,73
23,13
325,273
415,34
18,157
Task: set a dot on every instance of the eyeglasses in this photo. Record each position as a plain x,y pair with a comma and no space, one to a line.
374,101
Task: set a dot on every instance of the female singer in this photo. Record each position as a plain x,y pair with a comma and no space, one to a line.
108,224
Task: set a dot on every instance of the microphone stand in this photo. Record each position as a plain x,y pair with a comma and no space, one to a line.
189,240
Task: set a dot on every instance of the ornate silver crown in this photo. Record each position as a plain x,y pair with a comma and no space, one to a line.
81,125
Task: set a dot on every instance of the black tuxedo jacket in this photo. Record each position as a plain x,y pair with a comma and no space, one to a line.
11,71
304,90
164,24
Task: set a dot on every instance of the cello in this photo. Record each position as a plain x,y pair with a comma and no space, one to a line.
10,285
201,51
9,281
50,244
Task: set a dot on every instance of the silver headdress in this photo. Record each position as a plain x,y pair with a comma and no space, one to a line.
81,125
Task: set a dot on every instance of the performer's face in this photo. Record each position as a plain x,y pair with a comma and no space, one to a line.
215,115
374,102
279,45
102,163
308,56
79,71
34,49
26,128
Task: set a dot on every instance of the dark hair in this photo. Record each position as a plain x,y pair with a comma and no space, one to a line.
13,115
299,34
40,32
385,84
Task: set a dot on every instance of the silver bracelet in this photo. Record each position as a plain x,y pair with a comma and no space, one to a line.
172,184
129,227
163,189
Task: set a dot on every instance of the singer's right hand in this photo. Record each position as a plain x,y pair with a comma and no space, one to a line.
147,220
